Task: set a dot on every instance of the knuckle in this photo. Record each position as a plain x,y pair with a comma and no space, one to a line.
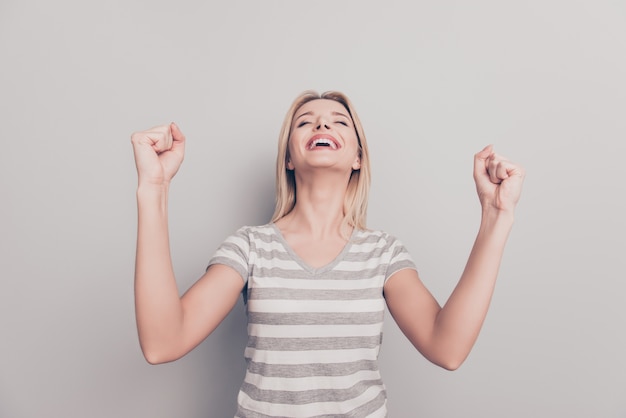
136,136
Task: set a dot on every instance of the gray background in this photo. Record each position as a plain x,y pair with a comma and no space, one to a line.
433,83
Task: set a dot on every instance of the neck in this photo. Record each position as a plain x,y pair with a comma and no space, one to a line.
319,205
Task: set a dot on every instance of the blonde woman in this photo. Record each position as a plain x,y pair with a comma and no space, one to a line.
315,279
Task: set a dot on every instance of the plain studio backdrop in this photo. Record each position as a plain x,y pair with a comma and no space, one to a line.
433,82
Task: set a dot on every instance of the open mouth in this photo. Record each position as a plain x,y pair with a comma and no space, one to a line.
318,142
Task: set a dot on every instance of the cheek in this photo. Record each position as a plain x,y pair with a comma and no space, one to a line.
290,150
289,155
295,141
354,143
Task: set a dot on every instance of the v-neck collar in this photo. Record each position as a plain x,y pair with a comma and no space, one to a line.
306,266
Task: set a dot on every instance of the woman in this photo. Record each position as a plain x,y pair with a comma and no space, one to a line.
315,279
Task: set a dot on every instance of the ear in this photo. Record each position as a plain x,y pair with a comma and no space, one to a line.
357,163
290,165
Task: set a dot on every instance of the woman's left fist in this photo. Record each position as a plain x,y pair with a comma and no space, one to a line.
498,180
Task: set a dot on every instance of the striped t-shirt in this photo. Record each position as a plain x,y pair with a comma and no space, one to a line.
313,334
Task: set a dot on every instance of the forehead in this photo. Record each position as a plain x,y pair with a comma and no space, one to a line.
318,106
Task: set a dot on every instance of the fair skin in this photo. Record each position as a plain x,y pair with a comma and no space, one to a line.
312,228
323,152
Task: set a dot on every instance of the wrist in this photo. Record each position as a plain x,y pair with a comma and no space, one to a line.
151,195
492,217
495,213
149,188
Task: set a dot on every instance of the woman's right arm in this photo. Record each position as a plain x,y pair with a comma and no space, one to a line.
170,326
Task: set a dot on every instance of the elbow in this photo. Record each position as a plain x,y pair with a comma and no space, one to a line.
443,358
157,358
450,365
153,359
154,356
447,357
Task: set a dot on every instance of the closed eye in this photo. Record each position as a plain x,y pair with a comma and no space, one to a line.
301,124
342,122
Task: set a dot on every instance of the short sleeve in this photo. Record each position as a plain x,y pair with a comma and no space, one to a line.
235,253
400,259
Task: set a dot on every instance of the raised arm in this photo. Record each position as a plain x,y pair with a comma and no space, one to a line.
170,326
446,335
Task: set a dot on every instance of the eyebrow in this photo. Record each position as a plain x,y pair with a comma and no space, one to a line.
304,114
333,113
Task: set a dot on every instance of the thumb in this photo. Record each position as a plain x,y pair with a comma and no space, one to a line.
480,160
178,139
177,134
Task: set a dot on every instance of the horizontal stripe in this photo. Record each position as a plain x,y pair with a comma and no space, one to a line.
284,262
265,233
313,334
306,383
277,253
367,264
313,409
376,408
307,344
238,267
403,265
274,253
369,236
314,294
335,274
301,397
374,265
276,250
376,245
266,243
317,283
316,318
289,306
309,357
313,331
312,369
235,246
357,263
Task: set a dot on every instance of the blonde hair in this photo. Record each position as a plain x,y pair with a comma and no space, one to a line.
357,192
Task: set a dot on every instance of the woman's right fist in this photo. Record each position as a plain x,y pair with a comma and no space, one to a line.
159,152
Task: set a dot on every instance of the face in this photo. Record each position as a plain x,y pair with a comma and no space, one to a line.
323,135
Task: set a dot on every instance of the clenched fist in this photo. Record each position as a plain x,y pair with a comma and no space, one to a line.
498,180
159,152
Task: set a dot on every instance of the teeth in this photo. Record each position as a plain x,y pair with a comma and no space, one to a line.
328,142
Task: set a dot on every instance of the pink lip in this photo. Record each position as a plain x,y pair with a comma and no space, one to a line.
322,136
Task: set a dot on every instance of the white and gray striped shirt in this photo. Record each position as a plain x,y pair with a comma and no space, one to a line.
313,334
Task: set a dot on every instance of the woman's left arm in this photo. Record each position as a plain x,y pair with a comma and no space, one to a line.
446,335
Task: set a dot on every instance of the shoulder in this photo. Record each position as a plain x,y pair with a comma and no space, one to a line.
384,247
240,248
246,237
265,232
376,243
374,236
255,237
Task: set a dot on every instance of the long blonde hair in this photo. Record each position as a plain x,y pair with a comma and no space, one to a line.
357,192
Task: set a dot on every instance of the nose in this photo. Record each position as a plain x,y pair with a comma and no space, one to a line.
321,123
